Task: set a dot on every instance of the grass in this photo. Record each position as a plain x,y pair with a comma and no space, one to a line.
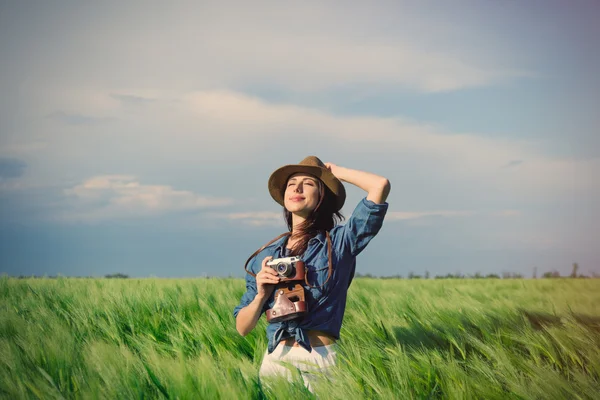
421,339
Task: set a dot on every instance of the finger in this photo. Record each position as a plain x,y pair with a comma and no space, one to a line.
269,270
268,275
264,262
268,280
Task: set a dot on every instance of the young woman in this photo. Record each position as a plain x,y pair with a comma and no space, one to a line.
311,194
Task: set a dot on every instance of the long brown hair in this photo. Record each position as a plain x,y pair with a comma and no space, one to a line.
322,218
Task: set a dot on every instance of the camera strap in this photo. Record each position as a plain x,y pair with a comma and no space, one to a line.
330,266
261,249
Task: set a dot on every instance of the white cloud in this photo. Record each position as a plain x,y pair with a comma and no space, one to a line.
457,157
427,217
507,213
256,218
261,218
116,196
11,185
313,63
305,47
405,215
200,131
18,147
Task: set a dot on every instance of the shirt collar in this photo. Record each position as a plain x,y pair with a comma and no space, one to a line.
319,237
279,244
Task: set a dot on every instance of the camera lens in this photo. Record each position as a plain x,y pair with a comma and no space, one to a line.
284,269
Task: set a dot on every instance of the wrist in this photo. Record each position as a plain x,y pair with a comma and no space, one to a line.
260,298
342,173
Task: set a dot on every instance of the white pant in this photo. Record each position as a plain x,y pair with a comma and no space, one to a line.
312,366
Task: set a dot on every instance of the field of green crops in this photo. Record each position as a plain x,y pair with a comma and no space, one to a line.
421,339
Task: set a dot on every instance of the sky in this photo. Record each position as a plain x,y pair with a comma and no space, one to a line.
138,137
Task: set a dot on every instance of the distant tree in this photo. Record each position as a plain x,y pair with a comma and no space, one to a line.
492,276
413,276
426,274
512,275
369,275
118,276
553,274
450,276
574,271
396,276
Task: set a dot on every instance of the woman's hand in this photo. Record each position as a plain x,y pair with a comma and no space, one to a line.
266,279
333,168
377,187
265,284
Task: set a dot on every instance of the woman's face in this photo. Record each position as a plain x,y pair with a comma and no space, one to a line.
301,194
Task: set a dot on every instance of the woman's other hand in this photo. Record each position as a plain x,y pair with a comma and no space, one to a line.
333,168
266,279
377,187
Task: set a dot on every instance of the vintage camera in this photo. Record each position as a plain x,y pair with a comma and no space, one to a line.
288,268
290,302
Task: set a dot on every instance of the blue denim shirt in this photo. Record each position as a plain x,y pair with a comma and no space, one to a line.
326,305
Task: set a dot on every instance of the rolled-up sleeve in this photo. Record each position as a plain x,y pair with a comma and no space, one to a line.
250,290
362,226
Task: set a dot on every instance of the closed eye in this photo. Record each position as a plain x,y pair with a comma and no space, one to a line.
310,183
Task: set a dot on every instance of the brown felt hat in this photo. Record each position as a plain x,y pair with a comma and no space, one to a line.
310,165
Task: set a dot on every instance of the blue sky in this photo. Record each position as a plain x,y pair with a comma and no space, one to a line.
138,138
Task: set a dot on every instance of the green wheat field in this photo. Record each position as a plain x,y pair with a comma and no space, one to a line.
401,339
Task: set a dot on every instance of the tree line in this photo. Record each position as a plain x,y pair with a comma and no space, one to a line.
505,275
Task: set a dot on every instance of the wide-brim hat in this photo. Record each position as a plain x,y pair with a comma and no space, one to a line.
310,165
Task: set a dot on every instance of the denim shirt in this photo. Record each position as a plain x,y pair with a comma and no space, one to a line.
326,305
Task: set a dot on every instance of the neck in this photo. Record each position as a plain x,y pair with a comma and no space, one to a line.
296,221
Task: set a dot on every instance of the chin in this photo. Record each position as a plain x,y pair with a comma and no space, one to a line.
297,209
294,209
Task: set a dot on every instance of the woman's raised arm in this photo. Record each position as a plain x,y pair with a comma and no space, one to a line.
377,187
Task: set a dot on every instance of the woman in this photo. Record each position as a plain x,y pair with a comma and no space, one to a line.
312,194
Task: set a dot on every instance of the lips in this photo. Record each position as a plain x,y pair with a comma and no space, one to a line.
296,198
